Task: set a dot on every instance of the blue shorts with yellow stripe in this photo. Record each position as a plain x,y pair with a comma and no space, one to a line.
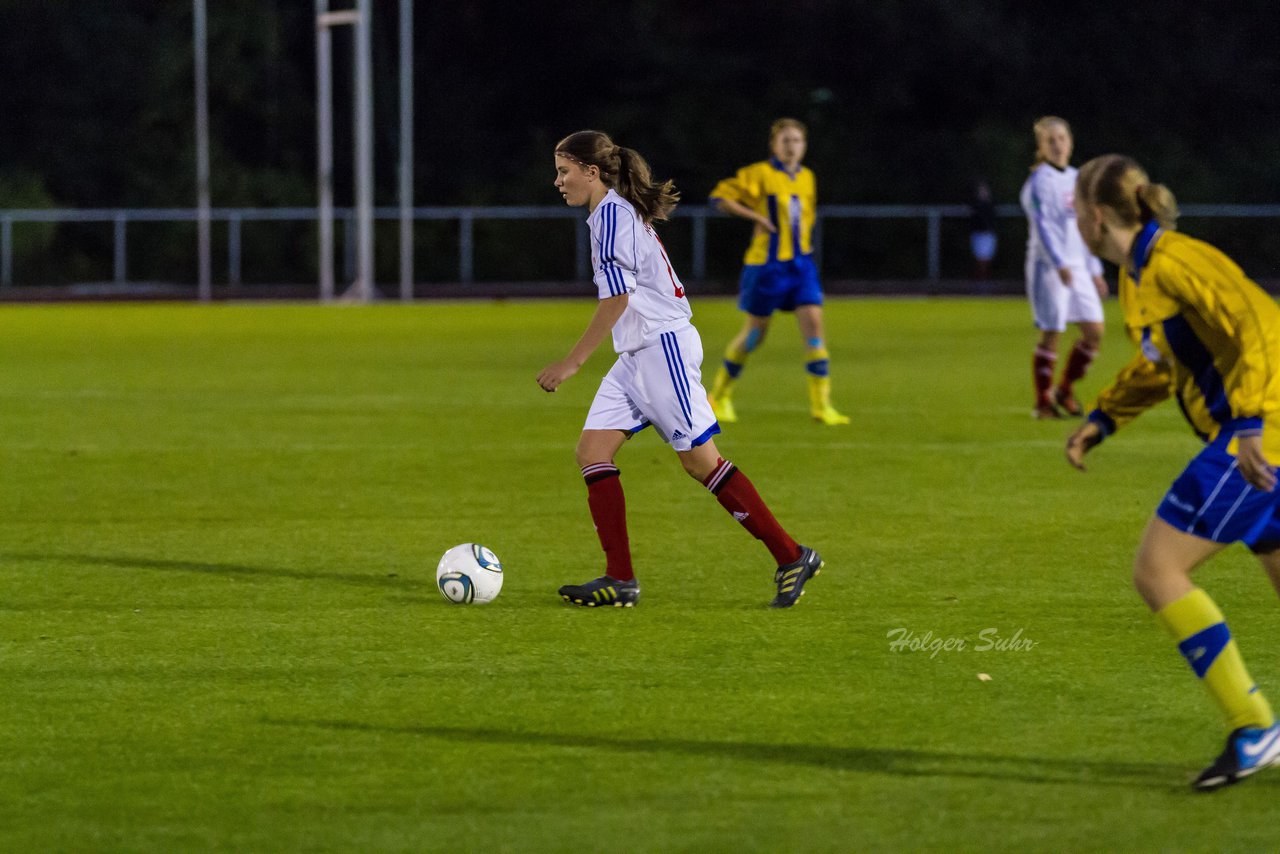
1211,499
779,286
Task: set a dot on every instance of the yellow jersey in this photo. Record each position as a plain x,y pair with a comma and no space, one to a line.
1207,335
789,200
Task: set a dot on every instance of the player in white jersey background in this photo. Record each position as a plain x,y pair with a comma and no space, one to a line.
657,378
1064,280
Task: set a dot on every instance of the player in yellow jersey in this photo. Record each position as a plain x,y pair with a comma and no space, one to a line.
1209,337
780,197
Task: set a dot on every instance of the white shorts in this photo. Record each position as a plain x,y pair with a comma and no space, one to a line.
659,385
1054,305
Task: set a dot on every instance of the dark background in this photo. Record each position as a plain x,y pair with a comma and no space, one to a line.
907,102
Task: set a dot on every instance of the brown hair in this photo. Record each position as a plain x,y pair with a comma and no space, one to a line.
1120,184
622,169
1043,125
782,124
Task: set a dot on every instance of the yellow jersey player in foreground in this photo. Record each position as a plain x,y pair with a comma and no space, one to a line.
780,196
1209,337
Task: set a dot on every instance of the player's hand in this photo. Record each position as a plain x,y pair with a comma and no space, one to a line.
1101,284
1064,273
768,226
1253,465
1082,441
557,372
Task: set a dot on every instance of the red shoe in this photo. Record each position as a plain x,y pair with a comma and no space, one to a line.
1046,411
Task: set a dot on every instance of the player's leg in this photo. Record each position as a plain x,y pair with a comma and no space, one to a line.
1048,309
1083,352
611,419
749,337
737,495
1085,310
757,303
817,365
672,399
1168,555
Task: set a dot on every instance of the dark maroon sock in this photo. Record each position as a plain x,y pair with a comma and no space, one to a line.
734,491
609,513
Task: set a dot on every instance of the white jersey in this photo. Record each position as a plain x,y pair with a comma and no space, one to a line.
628,258
1049,200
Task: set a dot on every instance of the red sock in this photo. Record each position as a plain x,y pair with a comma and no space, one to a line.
735,493
1077,364
609,513
1042,365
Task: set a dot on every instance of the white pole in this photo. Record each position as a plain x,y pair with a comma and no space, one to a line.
204,215
406,150
364,151
324,146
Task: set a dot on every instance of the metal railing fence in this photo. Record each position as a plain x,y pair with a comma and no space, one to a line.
466,217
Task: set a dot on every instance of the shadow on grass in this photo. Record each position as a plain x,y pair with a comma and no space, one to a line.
902,762
118,562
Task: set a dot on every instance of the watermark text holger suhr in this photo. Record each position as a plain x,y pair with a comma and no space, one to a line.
989,640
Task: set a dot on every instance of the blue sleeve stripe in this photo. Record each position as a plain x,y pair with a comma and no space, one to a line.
608,255
1192,352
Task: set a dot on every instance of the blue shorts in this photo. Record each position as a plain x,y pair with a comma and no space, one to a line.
1211,499
779,286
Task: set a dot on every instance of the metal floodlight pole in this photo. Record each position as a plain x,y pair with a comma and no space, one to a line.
364,149
324,146
204,216
359,19
406,150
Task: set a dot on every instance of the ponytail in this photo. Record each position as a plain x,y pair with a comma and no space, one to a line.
1156,202
1117,182
635,184
624,170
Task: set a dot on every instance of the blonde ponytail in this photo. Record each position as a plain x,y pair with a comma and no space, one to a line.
1117,182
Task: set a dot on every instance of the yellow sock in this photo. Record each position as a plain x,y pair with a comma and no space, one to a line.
1204,640
734,358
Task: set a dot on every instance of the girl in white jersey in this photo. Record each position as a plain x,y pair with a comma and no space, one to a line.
657,379
1064,280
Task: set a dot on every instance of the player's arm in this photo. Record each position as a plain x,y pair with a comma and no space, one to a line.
607,313
1050,232
729,206
735,196
1095,271
1140,385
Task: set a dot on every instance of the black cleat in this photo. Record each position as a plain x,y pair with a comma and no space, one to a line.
792,577
1248,750
602,592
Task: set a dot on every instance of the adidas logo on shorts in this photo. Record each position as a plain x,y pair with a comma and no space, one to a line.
678,435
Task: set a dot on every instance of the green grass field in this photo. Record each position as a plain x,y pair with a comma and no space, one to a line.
219,628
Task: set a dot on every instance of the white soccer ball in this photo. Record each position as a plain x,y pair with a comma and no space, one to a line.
469,573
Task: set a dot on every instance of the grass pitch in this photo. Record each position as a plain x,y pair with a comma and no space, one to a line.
219,627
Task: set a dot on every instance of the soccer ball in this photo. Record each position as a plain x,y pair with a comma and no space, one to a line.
469,573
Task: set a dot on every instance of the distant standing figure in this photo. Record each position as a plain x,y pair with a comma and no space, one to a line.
982,236
1064,280
780,196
